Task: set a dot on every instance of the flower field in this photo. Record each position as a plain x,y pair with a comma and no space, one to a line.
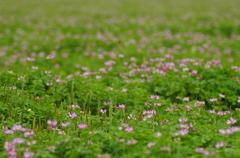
119,79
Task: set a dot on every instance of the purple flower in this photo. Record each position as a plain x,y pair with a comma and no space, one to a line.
199,103
131,142
65,124
199,150
155,97
212,111
186,99
31,59
82,126
9,146
213,99
153,112
28,133
9,131
183,126
220,144
124,90
221,95
17,128
194,73
231,121
72,115
121,106
52,122
28,154
182,132
50,56
107,102
49,84
221,113
58,80
12,154
157,104
98,77
150,144
129,130
103,111
18,140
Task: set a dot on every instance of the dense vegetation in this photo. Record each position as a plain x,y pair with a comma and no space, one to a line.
129,78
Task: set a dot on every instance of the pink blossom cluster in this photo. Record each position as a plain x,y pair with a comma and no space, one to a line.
72,115
229,131
231,121
52,124
204,152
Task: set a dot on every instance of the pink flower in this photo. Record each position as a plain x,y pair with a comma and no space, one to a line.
8,146
121,106
221,113
155,97
49,84
28,154
194,73
129,130
98,77
231,121
17,127
82,126
169,56
72,115
103,111
28,133
221,95
52,122
107,102
18,140
31,59
150,144
186,99
65,124
131,142
58,80
9,131
124,90
182,132
220,144
213,99
49,57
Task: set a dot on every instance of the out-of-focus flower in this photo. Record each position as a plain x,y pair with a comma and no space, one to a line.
18,140
131,142
129,130
221,95
103,111
82,126
213,99
231,121
220,144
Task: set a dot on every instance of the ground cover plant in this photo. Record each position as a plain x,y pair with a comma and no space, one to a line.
127,78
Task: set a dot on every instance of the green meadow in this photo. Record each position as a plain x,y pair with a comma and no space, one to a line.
119,79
